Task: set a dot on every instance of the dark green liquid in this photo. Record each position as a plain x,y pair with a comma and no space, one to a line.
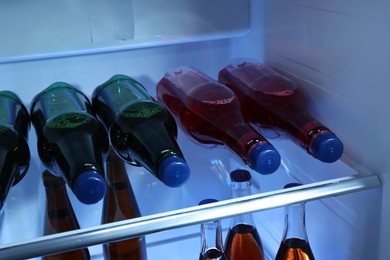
70,138
14,149
141,130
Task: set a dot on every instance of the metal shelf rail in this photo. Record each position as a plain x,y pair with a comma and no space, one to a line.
184,217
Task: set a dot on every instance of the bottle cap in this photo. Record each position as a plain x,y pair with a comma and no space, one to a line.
240,175
264,159
173,171
89,187
207,201
327,147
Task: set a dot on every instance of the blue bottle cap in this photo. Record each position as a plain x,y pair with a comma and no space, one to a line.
240,175
327,147
173,171
207,201
89,187
264,159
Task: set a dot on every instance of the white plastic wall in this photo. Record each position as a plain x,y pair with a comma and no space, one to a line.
339,52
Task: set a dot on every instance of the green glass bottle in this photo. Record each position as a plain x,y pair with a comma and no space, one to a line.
141,130
71,141
14,149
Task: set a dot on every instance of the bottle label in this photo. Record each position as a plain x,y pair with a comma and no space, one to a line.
70,120
142,112
218,102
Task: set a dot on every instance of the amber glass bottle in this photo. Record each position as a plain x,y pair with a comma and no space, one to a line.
14,149
119,204
59,215
243,240
295,243
71,141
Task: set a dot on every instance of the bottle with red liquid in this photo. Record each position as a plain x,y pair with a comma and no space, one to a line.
211,238
210,113
59,215
141,130
270,99
120,204
243,240
295,244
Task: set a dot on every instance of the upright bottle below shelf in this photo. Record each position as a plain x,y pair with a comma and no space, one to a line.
243,240
210,113
270,99
120,204
59,215
141,130
14,149
295,244
71,140
211,238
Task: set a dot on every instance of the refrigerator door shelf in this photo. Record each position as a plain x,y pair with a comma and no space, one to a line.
185,217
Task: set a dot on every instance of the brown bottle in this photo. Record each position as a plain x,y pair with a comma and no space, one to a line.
243,240
120,204
295,243
59,216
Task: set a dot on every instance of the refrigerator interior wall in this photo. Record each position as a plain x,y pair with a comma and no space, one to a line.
339,51
343,227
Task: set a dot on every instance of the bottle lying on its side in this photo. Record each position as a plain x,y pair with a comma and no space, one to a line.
210,113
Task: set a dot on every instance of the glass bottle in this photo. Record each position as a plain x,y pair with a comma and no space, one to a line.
210,113
59,215
71,141
14,149
141,130
211,238
120,204
270,99
243,240
295,244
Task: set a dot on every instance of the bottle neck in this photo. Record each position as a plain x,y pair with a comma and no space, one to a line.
211,237
59,215
295,226
242,189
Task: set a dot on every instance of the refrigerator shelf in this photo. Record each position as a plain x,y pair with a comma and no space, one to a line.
185,217
86,27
